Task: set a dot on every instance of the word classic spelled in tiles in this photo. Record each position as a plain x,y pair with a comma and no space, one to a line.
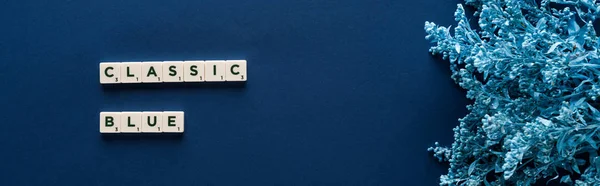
173,71
142,122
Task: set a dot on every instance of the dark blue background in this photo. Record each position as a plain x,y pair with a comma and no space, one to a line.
340,92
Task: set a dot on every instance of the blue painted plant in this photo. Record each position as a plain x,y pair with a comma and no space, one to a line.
533,71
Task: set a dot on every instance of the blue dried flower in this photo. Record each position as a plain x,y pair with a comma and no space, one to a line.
533,71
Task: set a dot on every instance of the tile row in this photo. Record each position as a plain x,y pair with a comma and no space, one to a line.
172,71
142,122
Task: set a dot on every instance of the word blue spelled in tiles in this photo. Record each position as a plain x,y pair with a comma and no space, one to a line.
173,71
141,122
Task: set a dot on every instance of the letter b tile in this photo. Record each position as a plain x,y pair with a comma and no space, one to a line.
110,122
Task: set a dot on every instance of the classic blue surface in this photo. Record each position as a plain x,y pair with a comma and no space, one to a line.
339,92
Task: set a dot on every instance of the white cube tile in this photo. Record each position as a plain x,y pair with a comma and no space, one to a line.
110,73
152,72
110,122
173,71
173,122
236,70
131,122
194,71
131,72
152,122
215,70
